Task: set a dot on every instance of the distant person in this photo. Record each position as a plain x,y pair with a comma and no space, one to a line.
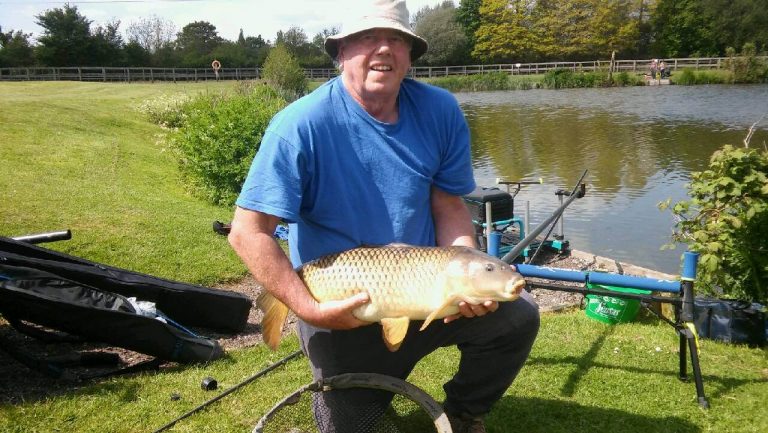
372,157
663,72
654,68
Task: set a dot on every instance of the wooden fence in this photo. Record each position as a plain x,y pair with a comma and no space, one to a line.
126,74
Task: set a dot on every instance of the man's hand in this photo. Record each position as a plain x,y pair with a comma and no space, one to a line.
470,310
338,314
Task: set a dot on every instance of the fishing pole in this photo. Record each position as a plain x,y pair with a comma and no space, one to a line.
515,252
231,390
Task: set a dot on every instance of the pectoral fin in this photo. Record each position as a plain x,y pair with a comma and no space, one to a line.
393,331
435,314
275,313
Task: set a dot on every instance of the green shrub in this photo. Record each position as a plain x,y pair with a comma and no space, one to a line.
690,77
484,82
746,67
218,140
565,78
165,110
726,221
283,72
624,79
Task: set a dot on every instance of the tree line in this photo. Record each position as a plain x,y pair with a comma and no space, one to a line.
475,31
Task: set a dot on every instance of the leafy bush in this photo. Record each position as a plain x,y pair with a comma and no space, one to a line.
726,221
565,78
219,138
624,78
746,67
283,72
165,110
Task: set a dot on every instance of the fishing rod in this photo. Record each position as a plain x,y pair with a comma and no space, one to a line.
518,249
231,390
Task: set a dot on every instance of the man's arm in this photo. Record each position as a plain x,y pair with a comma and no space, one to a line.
453,226
251,237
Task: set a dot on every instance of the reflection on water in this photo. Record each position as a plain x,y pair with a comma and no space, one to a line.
639,145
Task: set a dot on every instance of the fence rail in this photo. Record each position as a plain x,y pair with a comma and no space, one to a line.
126,74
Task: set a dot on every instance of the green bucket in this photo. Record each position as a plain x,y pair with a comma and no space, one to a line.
608,309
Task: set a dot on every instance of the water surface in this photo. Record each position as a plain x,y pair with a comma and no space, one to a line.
639,145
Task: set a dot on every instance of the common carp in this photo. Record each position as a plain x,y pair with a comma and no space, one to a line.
403,282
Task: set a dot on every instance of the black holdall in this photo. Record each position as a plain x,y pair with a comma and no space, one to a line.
730,321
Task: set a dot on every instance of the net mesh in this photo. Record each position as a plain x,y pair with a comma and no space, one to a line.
349,411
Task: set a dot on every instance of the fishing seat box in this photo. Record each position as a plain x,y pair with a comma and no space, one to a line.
502,204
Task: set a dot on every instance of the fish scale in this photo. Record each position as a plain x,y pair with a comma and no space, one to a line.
394,277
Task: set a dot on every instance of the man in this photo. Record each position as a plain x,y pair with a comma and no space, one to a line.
373,158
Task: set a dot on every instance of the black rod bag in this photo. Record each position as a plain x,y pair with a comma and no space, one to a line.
188,304
46,299
730,321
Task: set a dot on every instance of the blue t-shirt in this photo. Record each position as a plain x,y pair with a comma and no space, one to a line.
343,179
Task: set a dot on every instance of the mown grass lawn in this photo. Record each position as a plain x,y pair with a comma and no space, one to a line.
78,156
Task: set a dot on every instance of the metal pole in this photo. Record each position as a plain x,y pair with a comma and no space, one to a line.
515,252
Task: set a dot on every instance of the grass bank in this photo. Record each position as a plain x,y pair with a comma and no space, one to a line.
77,155
582,377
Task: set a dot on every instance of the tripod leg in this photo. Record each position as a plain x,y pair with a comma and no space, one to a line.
691,337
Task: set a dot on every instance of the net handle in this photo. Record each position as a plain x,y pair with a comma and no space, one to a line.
368,380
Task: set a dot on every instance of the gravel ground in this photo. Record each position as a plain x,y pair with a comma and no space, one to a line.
18,383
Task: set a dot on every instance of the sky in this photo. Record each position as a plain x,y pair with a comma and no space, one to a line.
255,17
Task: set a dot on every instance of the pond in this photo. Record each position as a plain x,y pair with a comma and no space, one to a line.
639,145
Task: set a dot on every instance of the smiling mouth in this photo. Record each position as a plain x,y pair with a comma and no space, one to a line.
381,68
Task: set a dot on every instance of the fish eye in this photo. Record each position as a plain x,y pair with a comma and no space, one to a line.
489,267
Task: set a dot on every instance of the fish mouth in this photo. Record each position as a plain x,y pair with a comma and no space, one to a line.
514,287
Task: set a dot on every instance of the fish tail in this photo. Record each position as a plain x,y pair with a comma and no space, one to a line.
275,314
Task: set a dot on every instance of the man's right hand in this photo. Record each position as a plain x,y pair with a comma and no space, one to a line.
337,314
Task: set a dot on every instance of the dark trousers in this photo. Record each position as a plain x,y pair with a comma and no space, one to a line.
493,350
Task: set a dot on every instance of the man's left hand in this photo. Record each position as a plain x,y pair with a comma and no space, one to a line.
470,310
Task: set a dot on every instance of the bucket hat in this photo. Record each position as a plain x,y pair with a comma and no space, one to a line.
380,14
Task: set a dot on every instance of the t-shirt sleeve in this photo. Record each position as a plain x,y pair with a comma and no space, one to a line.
455,175
274,184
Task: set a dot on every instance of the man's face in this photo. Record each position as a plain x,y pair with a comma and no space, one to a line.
374,63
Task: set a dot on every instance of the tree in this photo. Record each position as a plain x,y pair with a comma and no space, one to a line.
680,29
283,72
448,44
151,33
15,49
106,45
66,37
733,23
468,16
256,49
506,31
196,41
135,55
309,55
585,29
232,55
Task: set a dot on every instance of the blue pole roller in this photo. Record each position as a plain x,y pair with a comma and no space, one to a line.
690,263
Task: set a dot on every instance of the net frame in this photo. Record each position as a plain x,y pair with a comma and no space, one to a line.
365,380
